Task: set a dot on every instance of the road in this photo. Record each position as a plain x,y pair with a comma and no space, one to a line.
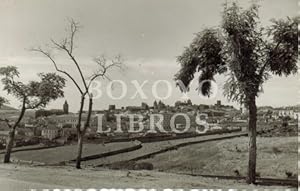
8,184
25,177
156,147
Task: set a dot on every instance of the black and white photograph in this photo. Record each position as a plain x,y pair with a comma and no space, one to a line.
149,95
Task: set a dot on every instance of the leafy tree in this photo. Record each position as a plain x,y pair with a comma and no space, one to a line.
82,84
285,121
247,54
35,94
2,101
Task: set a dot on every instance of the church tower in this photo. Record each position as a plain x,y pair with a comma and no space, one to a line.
66,107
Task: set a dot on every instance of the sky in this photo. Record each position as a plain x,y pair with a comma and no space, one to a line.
149,34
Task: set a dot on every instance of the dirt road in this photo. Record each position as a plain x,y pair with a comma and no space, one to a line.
23,177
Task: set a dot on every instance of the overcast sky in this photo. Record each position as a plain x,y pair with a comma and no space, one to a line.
150,34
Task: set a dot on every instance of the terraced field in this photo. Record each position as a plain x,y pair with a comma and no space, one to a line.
66,153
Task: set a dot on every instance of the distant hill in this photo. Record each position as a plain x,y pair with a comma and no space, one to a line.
5,107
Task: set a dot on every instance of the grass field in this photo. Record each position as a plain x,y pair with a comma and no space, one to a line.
276,156
66,153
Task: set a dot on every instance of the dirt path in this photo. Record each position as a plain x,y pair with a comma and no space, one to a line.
22,177
150,149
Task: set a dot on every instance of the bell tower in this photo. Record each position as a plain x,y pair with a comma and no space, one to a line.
66,107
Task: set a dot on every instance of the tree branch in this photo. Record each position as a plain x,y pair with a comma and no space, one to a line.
262,70
63,46
74,29
21,114
102,71
34,106
56,67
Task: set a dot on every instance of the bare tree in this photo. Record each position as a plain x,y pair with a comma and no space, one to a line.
83,85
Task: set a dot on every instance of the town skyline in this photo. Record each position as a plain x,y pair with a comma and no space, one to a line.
149,43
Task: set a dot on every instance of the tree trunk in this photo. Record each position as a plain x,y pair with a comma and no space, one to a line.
82,133
9,145
252,141
79,152
88,120
11,136
79,135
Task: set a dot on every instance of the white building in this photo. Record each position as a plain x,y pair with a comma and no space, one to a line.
290,113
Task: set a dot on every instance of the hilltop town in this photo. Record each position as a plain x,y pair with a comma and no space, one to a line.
58,126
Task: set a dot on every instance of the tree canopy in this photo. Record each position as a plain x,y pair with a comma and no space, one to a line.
243,50
34,94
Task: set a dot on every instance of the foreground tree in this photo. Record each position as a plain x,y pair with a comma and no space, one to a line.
82,84
2,101
248,54
35,94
